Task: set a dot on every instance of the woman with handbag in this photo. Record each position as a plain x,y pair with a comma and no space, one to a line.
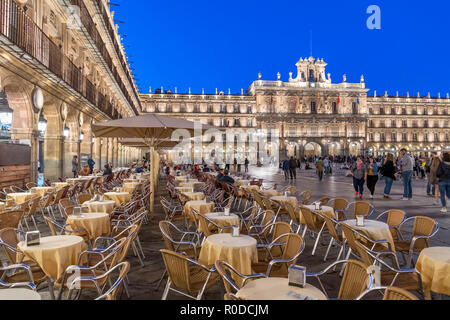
388,171
372,176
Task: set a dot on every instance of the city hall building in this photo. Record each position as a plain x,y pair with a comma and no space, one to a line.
315,116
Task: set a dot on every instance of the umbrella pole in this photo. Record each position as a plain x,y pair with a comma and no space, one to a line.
152,182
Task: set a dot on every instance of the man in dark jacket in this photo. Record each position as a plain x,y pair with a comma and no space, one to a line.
286,169
443,173
293,168
226,178
91,164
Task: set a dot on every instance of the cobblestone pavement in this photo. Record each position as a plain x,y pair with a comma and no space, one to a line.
143,279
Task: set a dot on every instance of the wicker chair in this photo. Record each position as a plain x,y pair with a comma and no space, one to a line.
261,221
93,275
355,281
113,292
188,275
395,218
232,297
31,185
33,206
391,294
361,208
177,240
173,212
65,229
271,232
9,239
84,197
305,197
313,224
423,230
339,207
209,227
290,246
230,276
324,200
295,215
407,279
11,219
336,238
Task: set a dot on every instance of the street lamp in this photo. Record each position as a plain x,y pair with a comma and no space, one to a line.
5,111
81,136
42,124
66,132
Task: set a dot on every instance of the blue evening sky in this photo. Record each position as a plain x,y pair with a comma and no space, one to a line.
224,44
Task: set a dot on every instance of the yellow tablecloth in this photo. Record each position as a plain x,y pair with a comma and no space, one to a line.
41,191
60,185
222,220
434,267
184,189
194,195
97,224
240,252
271,193
132,185
18,294
278,289
20,198
106,206
375,230
200,205
131,181
283,199
192,185
181,178
329,211
2,206
55,253
119,197
241,183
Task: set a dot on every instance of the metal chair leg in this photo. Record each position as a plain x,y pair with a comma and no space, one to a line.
166,290
328,250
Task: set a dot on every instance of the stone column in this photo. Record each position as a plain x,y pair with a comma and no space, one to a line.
53,156
71,147
110,150
115,153
104,152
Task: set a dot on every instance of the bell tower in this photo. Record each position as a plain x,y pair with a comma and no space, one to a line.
310,70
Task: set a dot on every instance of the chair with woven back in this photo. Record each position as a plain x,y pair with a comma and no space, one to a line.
31,209
209,227
424,229
84,197
271,232
11,218
339,207
58,196
261,221
9,239
288,248
232,297
31,185
390,274
290,189
355,280
395,218
324,201
332,226
232,279
114,290
305,197
188,275
313,224
360,208
90,269
57,229
294,213
391,294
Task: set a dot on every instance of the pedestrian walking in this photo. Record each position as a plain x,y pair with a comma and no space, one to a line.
359,173
372,176
320,168
434,180
406,167
91,164
388,171
431,189
75,166
286,169
246,163
443,173
293,168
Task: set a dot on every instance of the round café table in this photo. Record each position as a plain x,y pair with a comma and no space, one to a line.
194,195
193,185
131,185
240,252
54,254
20,197
42,191
59,185
200,205
118,197
375,230
283,199
96,223
222,220
278,289
18,294
2,206
184,189
106,206
271,193
434,267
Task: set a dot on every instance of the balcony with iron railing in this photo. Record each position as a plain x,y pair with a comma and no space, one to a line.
21,31
91,28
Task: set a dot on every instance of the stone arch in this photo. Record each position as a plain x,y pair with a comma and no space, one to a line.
355,148
53,138
334,148
313,149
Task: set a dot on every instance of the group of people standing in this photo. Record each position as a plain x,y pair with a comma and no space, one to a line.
438,171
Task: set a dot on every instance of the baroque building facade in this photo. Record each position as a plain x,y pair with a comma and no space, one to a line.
69,55
315,116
